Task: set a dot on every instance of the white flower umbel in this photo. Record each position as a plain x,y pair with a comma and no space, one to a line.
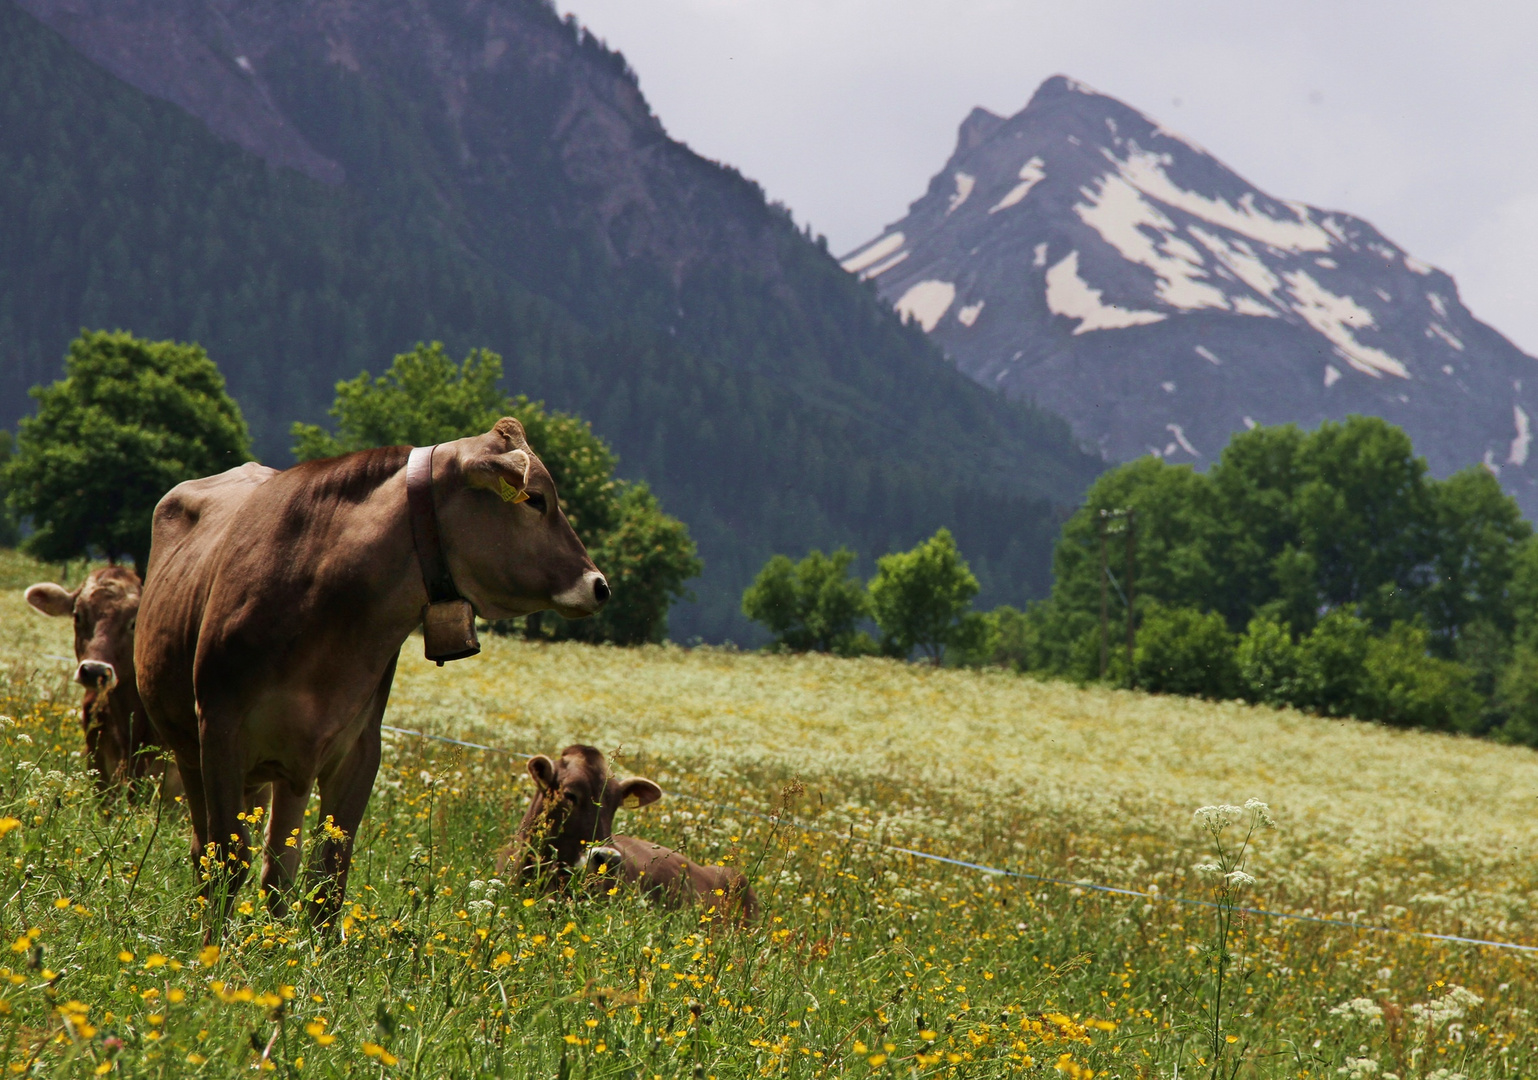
1452,1005
1230,880
1360,1009
1358,1068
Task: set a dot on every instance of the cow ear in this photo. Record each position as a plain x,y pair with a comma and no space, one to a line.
637,792
542,769
506,474
51,599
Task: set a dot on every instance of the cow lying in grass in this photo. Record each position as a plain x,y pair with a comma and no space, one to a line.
118,736
569,829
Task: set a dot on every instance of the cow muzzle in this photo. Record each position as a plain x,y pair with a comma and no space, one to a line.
600,859
583,598
96,675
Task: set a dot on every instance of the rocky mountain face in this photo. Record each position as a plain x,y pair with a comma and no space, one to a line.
504,117
1081,256
307,187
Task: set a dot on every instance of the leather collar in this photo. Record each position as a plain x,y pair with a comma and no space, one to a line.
424,527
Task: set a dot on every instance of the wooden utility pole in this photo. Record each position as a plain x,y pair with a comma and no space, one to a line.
1131,593
1105,574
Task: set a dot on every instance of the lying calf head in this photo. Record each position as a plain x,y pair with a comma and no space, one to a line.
569,828
573,808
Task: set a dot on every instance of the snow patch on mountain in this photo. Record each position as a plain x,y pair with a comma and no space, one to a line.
1124,219
883,267
1436,330
1031,173
873,253
964,185
927,302
1070,295
1519,445
1145,171
1337,318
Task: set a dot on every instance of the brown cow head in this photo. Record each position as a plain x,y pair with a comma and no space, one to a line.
573,808
509,546
105,609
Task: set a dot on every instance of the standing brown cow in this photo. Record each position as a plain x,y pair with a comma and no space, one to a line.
569,827
277,605
117,733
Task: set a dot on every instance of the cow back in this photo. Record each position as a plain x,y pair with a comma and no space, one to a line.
189,531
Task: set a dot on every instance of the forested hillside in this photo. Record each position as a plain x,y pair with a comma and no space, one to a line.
488,175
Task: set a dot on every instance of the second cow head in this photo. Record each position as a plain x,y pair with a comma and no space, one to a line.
574,803
105,608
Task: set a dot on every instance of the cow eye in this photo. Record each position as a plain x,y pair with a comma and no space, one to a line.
536,502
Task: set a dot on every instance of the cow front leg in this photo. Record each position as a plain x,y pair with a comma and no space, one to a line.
192,778
344,794
280,855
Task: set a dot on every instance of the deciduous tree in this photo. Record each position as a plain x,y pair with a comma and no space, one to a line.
921,597
130,420
813,605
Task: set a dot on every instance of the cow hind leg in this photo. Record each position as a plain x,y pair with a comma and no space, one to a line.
227,849
192,793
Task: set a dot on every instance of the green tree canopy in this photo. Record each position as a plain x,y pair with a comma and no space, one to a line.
425,397
1344,579
1290,525
813,605
921,597
130,420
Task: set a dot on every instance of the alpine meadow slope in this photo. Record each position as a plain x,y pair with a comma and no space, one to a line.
307,189
1083,257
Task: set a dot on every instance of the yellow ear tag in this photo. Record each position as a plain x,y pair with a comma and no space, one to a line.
631,802
510,493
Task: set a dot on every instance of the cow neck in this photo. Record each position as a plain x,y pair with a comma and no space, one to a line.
448,619
424,527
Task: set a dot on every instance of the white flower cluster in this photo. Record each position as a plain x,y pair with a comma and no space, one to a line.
1215,819
1262,813
1450,1006
1358,1068
1218,818
1359,1009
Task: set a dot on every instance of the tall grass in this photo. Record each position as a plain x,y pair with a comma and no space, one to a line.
865,961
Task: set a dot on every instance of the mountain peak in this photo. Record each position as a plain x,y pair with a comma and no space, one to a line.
1063,86
1082,255
976,128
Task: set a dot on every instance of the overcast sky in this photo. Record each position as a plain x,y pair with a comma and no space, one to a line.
1420,117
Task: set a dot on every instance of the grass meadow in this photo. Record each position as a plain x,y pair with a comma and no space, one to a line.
866,961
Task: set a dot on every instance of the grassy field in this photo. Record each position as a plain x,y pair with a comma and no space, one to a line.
866,961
